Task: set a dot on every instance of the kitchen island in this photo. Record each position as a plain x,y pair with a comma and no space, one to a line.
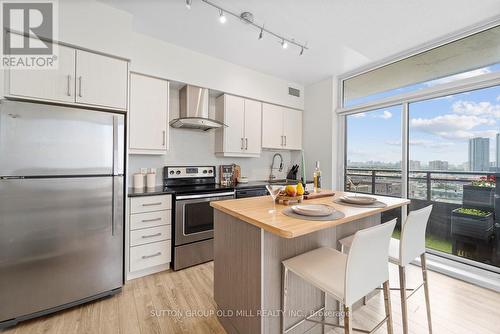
251,238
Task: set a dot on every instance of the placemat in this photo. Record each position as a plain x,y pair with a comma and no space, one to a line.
376,204
334,216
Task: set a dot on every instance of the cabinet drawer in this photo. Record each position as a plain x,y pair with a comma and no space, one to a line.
149,255
150,219
148,235
150,203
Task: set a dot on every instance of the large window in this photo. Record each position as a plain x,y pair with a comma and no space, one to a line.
373,157
448,100
454,155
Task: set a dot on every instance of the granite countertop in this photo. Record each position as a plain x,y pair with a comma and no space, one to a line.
158,190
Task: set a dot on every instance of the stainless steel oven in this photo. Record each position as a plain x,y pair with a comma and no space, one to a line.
194,217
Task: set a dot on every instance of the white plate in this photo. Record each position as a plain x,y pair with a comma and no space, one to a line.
360,200
315,210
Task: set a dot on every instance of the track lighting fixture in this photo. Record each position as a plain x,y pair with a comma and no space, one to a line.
222,17
248,18
188,4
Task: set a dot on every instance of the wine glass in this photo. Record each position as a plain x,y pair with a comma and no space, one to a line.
355,184
274,190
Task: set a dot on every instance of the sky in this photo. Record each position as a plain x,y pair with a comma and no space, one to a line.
439,128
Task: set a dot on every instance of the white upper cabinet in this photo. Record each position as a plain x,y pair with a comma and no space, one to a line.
51,85
242,135
148,115
281,127
272,126
81,77
292,129
101,80
253,127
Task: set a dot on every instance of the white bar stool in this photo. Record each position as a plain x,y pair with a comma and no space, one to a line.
347,278
402,252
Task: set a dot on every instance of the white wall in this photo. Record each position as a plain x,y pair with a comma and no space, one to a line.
100,27
97,26
320,125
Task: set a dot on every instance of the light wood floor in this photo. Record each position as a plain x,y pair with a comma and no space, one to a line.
458,308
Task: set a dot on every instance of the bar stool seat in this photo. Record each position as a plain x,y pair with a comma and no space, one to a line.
323,267
346,278
402,253
393,247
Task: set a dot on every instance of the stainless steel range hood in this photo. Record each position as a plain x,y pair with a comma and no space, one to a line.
193,112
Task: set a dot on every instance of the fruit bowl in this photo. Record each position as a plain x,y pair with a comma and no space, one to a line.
286,200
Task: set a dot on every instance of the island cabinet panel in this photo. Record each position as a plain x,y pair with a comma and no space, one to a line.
247,274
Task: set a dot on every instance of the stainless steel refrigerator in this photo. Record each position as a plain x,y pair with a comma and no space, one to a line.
61,207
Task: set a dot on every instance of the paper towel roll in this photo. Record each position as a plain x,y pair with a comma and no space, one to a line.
138,181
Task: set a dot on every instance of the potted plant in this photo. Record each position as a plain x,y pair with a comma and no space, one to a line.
480,193
472,223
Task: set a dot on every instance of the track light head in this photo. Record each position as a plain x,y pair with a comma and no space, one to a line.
222,17
188,4
301,51
261,34
284,44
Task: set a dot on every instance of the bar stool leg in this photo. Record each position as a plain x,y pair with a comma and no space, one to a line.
388,307
404,306
423,262
347,320
284,292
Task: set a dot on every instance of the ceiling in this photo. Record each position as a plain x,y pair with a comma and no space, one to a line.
342,34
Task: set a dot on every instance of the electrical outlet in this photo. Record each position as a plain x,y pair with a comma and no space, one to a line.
144,170
152,170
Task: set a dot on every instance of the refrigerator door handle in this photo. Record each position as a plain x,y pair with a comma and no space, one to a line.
118,145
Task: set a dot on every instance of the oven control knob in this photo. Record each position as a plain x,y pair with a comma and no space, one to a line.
171,172
210,172
178,172
204,171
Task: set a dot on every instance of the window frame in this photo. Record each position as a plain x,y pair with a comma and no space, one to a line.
405,99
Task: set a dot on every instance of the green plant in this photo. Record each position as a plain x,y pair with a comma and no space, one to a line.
473,212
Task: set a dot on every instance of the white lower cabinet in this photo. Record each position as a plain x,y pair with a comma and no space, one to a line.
149,255
149,235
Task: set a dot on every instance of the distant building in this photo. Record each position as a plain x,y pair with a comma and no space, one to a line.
415,165
479,154
438,165
497,151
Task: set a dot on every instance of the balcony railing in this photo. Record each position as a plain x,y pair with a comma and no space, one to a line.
447,191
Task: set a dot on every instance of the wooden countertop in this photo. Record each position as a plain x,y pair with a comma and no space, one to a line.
259,211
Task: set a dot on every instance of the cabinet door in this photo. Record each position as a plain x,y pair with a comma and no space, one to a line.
101,80
234,118
253,126
148,116
293,129
52,85
272,126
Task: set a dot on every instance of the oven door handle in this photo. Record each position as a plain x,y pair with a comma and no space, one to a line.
215,195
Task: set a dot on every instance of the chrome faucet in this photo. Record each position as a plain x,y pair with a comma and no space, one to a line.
272,176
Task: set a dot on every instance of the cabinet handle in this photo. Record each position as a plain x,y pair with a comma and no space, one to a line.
151,204
285,140
151,220
80,86
163,133
151,235
246,143
69,85
242,144
281,140
150,256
